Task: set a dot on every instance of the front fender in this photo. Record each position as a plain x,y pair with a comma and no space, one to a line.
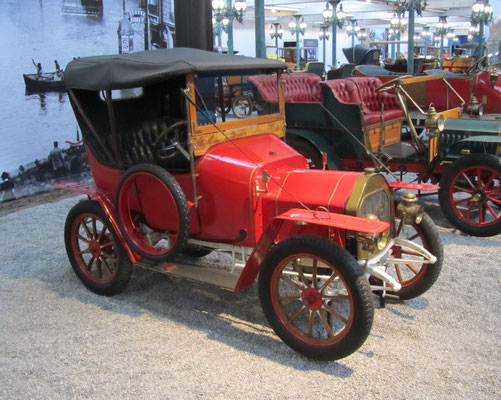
302,216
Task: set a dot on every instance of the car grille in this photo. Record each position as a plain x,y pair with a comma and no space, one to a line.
377,203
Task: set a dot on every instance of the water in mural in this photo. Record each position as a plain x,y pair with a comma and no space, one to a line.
38,31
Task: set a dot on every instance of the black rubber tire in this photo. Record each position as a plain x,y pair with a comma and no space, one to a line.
120,275
359,323
196,251
306,149
485,160
428,274
182,207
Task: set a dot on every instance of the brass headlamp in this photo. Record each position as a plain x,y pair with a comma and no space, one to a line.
370,241
434,124
475,109
408,210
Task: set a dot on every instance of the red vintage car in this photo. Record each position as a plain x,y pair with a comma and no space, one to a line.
176,180
477,81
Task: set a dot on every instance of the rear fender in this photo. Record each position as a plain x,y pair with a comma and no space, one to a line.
320,143
106,204
301,216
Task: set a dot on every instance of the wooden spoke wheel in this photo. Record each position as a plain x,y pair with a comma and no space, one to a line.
152,212
470,194
417,278
94,250
315,297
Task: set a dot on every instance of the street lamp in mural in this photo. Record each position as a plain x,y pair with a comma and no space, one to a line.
276,32
297,28
125,34
362,35
218,28
412,7
224,13
481,15
335,19
324,35
441,31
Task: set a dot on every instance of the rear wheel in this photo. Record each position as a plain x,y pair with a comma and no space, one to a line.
152,212
470,194
94,250
306,149
315,297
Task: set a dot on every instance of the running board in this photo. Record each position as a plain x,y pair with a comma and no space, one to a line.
223,279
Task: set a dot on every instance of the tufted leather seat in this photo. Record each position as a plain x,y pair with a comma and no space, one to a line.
299,87
363,90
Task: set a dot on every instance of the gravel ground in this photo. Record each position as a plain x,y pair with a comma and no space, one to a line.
167,338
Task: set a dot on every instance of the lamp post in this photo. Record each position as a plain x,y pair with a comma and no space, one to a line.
335,19
324,35
276,33
225,12
362,35
450,39
426,34
352,30
412,7
441,30
481,14
297,28
399,24
125,34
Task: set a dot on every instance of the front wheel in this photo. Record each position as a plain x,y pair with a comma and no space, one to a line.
315,297
94,250
470,194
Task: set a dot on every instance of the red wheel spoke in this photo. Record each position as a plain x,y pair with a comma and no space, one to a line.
479,178
336,297
494,200
314,273
325,323
299,271
89,264
492,211
311,321
457,202
106,265
84,224
462,189
297,313
94,227
411,253
468,180
489,181
328,282
87,250
82,238
101,236
399,274
288,299
99,271
103,246
413,237
336,314
111,257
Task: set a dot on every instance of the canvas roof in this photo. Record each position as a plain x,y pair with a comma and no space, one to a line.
120,71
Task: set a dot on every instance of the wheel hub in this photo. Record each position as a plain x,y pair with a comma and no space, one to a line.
95,248
312,299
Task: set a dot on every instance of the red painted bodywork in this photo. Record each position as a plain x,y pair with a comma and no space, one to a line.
235,199
442,98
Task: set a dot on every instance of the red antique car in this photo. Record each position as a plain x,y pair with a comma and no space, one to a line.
175,180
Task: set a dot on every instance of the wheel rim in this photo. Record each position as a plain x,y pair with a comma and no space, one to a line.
408,274
141,211
241,107
474,195
312,300
94,248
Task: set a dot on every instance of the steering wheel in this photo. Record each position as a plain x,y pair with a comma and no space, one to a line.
170,151
389,85
477,64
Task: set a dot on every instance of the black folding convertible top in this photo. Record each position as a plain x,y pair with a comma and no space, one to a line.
120,71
